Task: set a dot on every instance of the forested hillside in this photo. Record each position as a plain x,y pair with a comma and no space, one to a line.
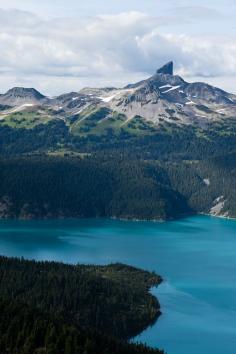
115,185
88,187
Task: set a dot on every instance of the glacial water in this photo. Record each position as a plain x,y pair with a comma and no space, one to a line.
196,256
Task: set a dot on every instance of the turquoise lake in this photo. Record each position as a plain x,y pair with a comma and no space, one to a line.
196,256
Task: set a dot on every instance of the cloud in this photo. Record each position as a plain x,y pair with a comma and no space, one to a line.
54,54
193,13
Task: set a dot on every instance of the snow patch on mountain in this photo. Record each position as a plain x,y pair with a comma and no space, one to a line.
206,181
107,99
172,89
19,108
165,86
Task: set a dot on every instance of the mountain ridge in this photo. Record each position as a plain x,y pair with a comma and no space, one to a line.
163,97
157,103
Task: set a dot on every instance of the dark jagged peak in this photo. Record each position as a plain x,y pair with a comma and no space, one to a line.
167,69
163,76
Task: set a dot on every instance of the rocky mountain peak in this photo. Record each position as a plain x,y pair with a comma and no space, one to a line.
24,92
21,95
168,69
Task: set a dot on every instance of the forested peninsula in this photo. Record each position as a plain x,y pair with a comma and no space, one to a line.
49,307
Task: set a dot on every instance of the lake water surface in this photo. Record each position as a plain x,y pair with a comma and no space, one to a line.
196,256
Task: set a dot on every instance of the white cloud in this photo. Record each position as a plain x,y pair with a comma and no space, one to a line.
68,53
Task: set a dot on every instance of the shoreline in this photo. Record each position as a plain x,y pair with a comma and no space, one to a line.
219,216
159,220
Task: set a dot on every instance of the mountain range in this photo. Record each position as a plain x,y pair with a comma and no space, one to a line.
155,149
162,98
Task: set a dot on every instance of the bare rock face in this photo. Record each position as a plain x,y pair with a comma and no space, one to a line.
5,207
167,69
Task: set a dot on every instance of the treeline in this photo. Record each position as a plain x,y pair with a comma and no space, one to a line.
55,308
166,142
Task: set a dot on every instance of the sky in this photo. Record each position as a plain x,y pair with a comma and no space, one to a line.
60,46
